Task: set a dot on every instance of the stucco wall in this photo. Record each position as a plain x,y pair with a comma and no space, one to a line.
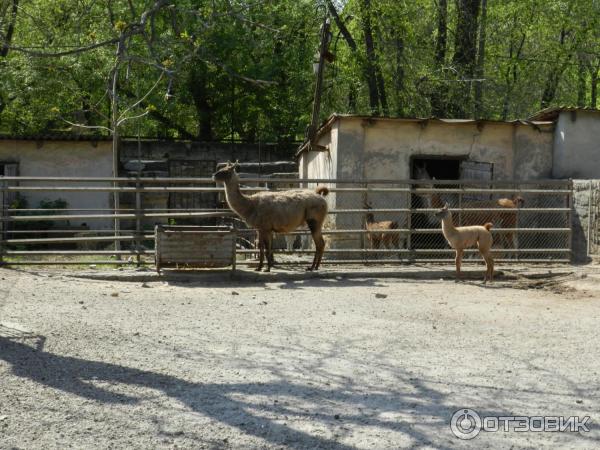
63,159
383,149
577,145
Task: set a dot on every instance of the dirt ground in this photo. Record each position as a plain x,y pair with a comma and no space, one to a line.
342,362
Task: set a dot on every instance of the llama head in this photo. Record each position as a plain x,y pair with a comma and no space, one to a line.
443,213
421,172
518,201
227,173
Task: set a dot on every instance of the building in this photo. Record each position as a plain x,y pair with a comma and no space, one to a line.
59,156
576,144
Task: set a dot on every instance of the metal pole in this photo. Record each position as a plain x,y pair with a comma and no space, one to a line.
589,227
314,122
115,141
2,226
138,220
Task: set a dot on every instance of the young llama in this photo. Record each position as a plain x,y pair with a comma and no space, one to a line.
460,238
279,212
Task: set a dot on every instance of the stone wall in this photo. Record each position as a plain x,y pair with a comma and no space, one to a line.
581,215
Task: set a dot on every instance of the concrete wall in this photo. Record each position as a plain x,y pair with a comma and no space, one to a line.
63,159
577,145
581,211
383,148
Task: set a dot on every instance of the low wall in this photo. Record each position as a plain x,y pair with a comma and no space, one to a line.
584,192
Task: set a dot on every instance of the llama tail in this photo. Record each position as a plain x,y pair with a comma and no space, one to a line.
322,190
488,226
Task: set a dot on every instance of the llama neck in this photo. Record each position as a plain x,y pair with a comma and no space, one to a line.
448,226
237,201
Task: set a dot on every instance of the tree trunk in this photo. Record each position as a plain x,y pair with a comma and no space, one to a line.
370,69
10,30
480,62
381,91
399,75
594,86
465,53
439,93
553,77
352,89
581,82
198,89
340,24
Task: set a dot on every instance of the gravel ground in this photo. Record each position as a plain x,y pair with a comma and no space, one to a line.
344,363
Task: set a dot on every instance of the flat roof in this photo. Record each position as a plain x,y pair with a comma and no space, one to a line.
553,112
326,126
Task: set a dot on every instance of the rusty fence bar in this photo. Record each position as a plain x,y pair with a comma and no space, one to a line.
539,231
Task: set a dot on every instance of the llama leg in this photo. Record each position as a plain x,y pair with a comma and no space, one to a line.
320,248
269,251
489,266
261,252
458,261
315,230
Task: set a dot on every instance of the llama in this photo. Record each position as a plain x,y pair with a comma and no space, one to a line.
460,238
279,212
505,219
376,236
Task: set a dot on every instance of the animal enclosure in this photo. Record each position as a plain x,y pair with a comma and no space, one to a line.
536,229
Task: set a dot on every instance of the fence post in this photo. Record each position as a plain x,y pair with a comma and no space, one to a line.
138,220
363,241
589,227
409,221
516,244
2,223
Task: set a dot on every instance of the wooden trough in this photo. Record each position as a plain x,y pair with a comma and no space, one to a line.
182,246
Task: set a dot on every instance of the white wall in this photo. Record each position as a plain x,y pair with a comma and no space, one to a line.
63,159
577,145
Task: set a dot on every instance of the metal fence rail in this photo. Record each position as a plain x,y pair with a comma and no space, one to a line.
369,221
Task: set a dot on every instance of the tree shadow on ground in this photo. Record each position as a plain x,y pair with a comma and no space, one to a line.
81,377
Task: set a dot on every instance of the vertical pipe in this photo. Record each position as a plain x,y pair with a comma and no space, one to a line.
115,142
2,222
409,221
589,227
138,219
314,122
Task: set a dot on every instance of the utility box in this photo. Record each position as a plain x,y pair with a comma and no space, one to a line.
182,247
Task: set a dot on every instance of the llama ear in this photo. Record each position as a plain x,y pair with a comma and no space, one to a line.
446,205
236,164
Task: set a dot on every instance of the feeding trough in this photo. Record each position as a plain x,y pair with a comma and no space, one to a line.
205,247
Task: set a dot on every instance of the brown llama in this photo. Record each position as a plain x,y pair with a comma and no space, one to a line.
279,212
376,236
460,238
503,219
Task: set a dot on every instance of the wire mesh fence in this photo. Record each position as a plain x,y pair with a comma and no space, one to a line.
72,221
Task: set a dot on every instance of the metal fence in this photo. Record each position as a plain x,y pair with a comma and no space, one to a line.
71,220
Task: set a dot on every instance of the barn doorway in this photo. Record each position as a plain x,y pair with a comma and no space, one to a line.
440,168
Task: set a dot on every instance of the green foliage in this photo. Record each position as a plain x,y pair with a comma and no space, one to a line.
49,207
243,70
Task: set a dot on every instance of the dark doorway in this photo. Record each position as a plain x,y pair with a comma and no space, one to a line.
440,168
